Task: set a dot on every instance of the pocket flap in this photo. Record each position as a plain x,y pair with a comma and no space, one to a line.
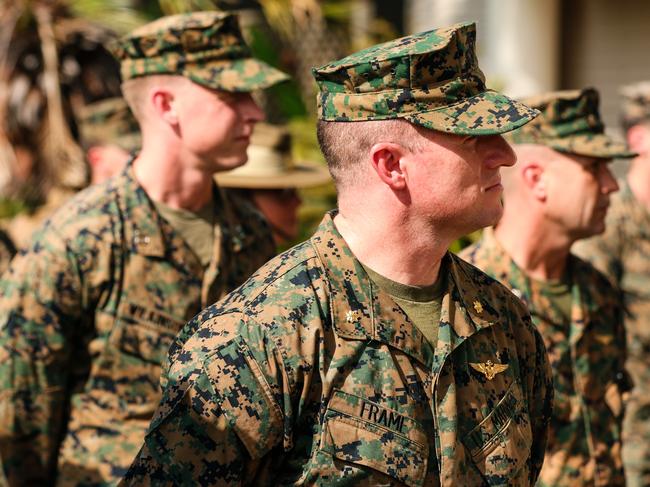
145,332
376,444
502,442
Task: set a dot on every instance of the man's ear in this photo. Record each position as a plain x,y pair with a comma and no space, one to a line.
638,138
386,161
533,177
164,105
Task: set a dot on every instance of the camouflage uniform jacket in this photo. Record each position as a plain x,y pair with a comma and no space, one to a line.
310,375
587,359
622,253
86,318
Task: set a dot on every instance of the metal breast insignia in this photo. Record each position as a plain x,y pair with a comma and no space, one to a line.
489,369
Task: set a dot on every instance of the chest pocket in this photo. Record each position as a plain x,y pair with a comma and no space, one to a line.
145,332
500,445
363,433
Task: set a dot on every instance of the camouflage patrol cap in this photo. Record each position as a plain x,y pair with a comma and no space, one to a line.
431,79
109,121
636,104
206,47
570,122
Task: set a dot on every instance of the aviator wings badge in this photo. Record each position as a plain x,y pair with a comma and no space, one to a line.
489,369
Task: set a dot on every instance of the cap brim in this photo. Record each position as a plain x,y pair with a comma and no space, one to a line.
488,113
597,145
236,75
301,175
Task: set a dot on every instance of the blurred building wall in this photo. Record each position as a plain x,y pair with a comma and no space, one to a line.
606,44
531,46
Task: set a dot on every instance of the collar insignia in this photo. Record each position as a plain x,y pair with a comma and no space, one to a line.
352,316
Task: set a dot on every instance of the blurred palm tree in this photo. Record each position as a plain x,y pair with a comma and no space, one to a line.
52,60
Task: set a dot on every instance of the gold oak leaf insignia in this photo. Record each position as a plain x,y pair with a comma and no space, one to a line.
352,316
489,369
478,306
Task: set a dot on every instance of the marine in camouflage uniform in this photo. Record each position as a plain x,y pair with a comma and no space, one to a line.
109,132
312,374
89,309
571,303
622,253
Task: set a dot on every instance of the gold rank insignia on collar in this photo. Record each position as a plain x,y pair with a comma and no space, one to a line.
489,369
478,307
352,315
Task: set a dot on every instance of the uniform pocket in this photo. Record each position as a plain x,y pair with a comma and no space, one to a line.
367,434
146,333
500,445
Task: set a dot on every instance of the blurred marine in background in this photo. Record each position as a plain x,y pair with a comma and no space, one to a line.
622,253
556,194
109,133
88,311
270,180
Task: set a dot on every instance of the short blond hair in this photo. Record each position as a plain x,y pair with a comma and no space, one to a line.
136,90
345,144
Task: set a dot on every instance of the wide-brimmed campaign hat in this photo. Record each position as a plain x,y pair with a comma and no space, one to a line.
570,122
270,165
431,79
206,47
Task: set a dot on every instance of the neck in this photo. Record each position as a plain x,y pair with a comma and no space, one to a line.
638,177
159,170
392,245
537,247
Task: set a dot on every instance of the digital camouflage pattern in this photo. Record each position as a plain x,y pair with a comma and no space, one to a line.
431,79
308,374
623,254
587,360
7,251
636,104
109,121
87,316
21,227
569,122
206,47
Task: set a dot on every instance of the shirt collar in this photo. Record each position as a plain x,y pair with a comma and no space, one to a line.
361,311
506,270
145,230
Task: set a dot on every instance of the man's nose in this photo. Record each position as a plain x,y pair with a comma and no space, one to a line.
608,182
251,110
499,152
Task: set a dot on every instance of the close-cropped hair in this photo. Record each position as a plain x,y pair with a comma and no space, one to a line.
345,145
136,90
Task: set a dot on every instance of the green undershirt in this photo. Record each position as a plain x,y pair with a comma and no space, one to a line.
197,229
422,304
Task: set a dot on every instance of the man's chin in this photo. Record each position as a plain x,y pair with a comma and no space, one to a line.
228,164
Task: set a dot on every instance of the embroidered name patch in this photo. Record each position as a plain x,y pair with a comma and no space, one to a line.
379,415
